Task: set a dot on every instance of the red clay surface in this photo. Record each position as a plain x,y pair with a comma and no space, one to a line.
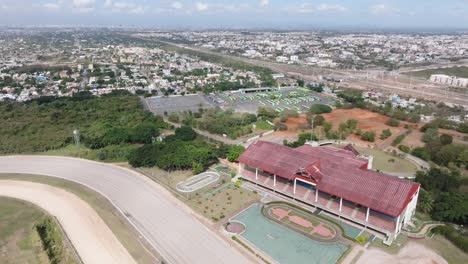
280,212
235,228
320,229
367,121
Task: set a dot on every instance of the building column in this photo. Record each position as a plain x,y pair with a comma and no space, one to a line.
397,227
256,174
367,214
294,191
316,195
341,203
274,180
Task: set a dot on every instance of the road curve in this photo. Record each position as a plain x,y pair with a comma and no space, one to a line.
166,223
92,238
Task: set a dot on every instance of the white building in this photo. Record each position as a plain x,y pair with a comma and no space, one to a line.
449,80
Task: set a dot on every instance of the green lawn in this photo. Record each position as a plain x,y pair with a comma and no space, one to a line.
19,240
387,162
126,234
461,72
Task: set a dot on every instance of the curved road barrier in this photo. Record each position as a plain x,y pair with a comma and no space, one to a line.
197,182
91,237
165,222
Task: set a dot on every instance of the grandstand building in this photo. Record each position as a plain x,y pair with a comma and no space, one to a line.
337,180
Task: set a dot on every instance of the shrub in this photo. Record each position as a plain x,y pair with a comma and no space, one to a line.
386,134
446,139
458,239
174,118
51,239
368,136
404,148
320,109
398,140
393,122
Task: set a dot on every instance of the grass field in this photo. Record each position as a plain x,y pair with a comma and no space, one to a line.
119,226
461,72
387,162
19,240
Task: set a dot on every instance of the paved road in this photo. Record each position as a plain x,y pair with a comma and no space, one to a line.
92,238
163,220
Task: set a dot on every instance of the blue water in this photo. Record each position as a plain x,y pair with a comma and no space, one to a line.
284,245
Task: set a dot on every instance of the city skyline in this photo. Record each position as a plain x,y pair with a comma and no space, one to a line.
204,14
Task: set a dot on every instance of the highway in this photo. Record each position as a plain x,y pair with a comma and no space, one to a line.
166,223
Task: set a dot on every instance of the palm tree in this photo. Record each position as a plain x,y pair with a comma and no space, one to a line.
426,202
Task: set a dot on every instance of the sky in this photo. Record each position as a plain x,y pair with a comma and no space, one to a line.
240,14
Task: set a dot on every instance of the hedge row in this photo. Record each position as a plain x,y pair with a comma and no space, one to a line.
458,239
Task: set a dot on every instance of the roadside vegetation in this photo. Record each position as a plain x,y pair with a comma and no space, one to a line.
220,122
52,240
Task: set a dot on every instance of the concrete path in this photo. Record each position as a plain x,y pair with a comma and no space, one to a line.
167,224
92,238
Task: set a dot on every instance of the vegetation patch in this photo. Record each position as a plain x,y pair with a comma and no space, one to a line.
48,123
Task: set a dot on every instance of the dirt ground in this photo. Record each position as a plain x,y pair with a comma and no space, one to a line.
367,121
93,240
412,253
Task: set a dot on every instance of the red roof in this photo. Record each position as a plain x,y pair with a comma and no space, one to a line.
337,171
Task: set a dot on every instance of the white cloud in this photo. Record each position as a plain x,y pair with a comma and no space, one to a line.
382,9
126,7
201,6
306,8
264,2
331,8
177,5
84,6
83,3
51,6
108,3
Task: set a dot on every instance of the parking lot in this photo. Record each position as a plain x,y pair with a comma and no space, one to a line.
299,99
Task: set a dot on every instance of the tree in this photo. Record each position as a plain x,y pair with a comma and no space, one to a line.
437,179
327,126
452,207
320,109
234,152
185,133
300,83
318,120
144,133
450,153
432,140
422,153
425,201
446,139
266,112
197,168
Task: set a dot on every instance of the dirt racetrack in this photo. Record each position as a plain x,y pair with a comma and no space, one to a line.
88,233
